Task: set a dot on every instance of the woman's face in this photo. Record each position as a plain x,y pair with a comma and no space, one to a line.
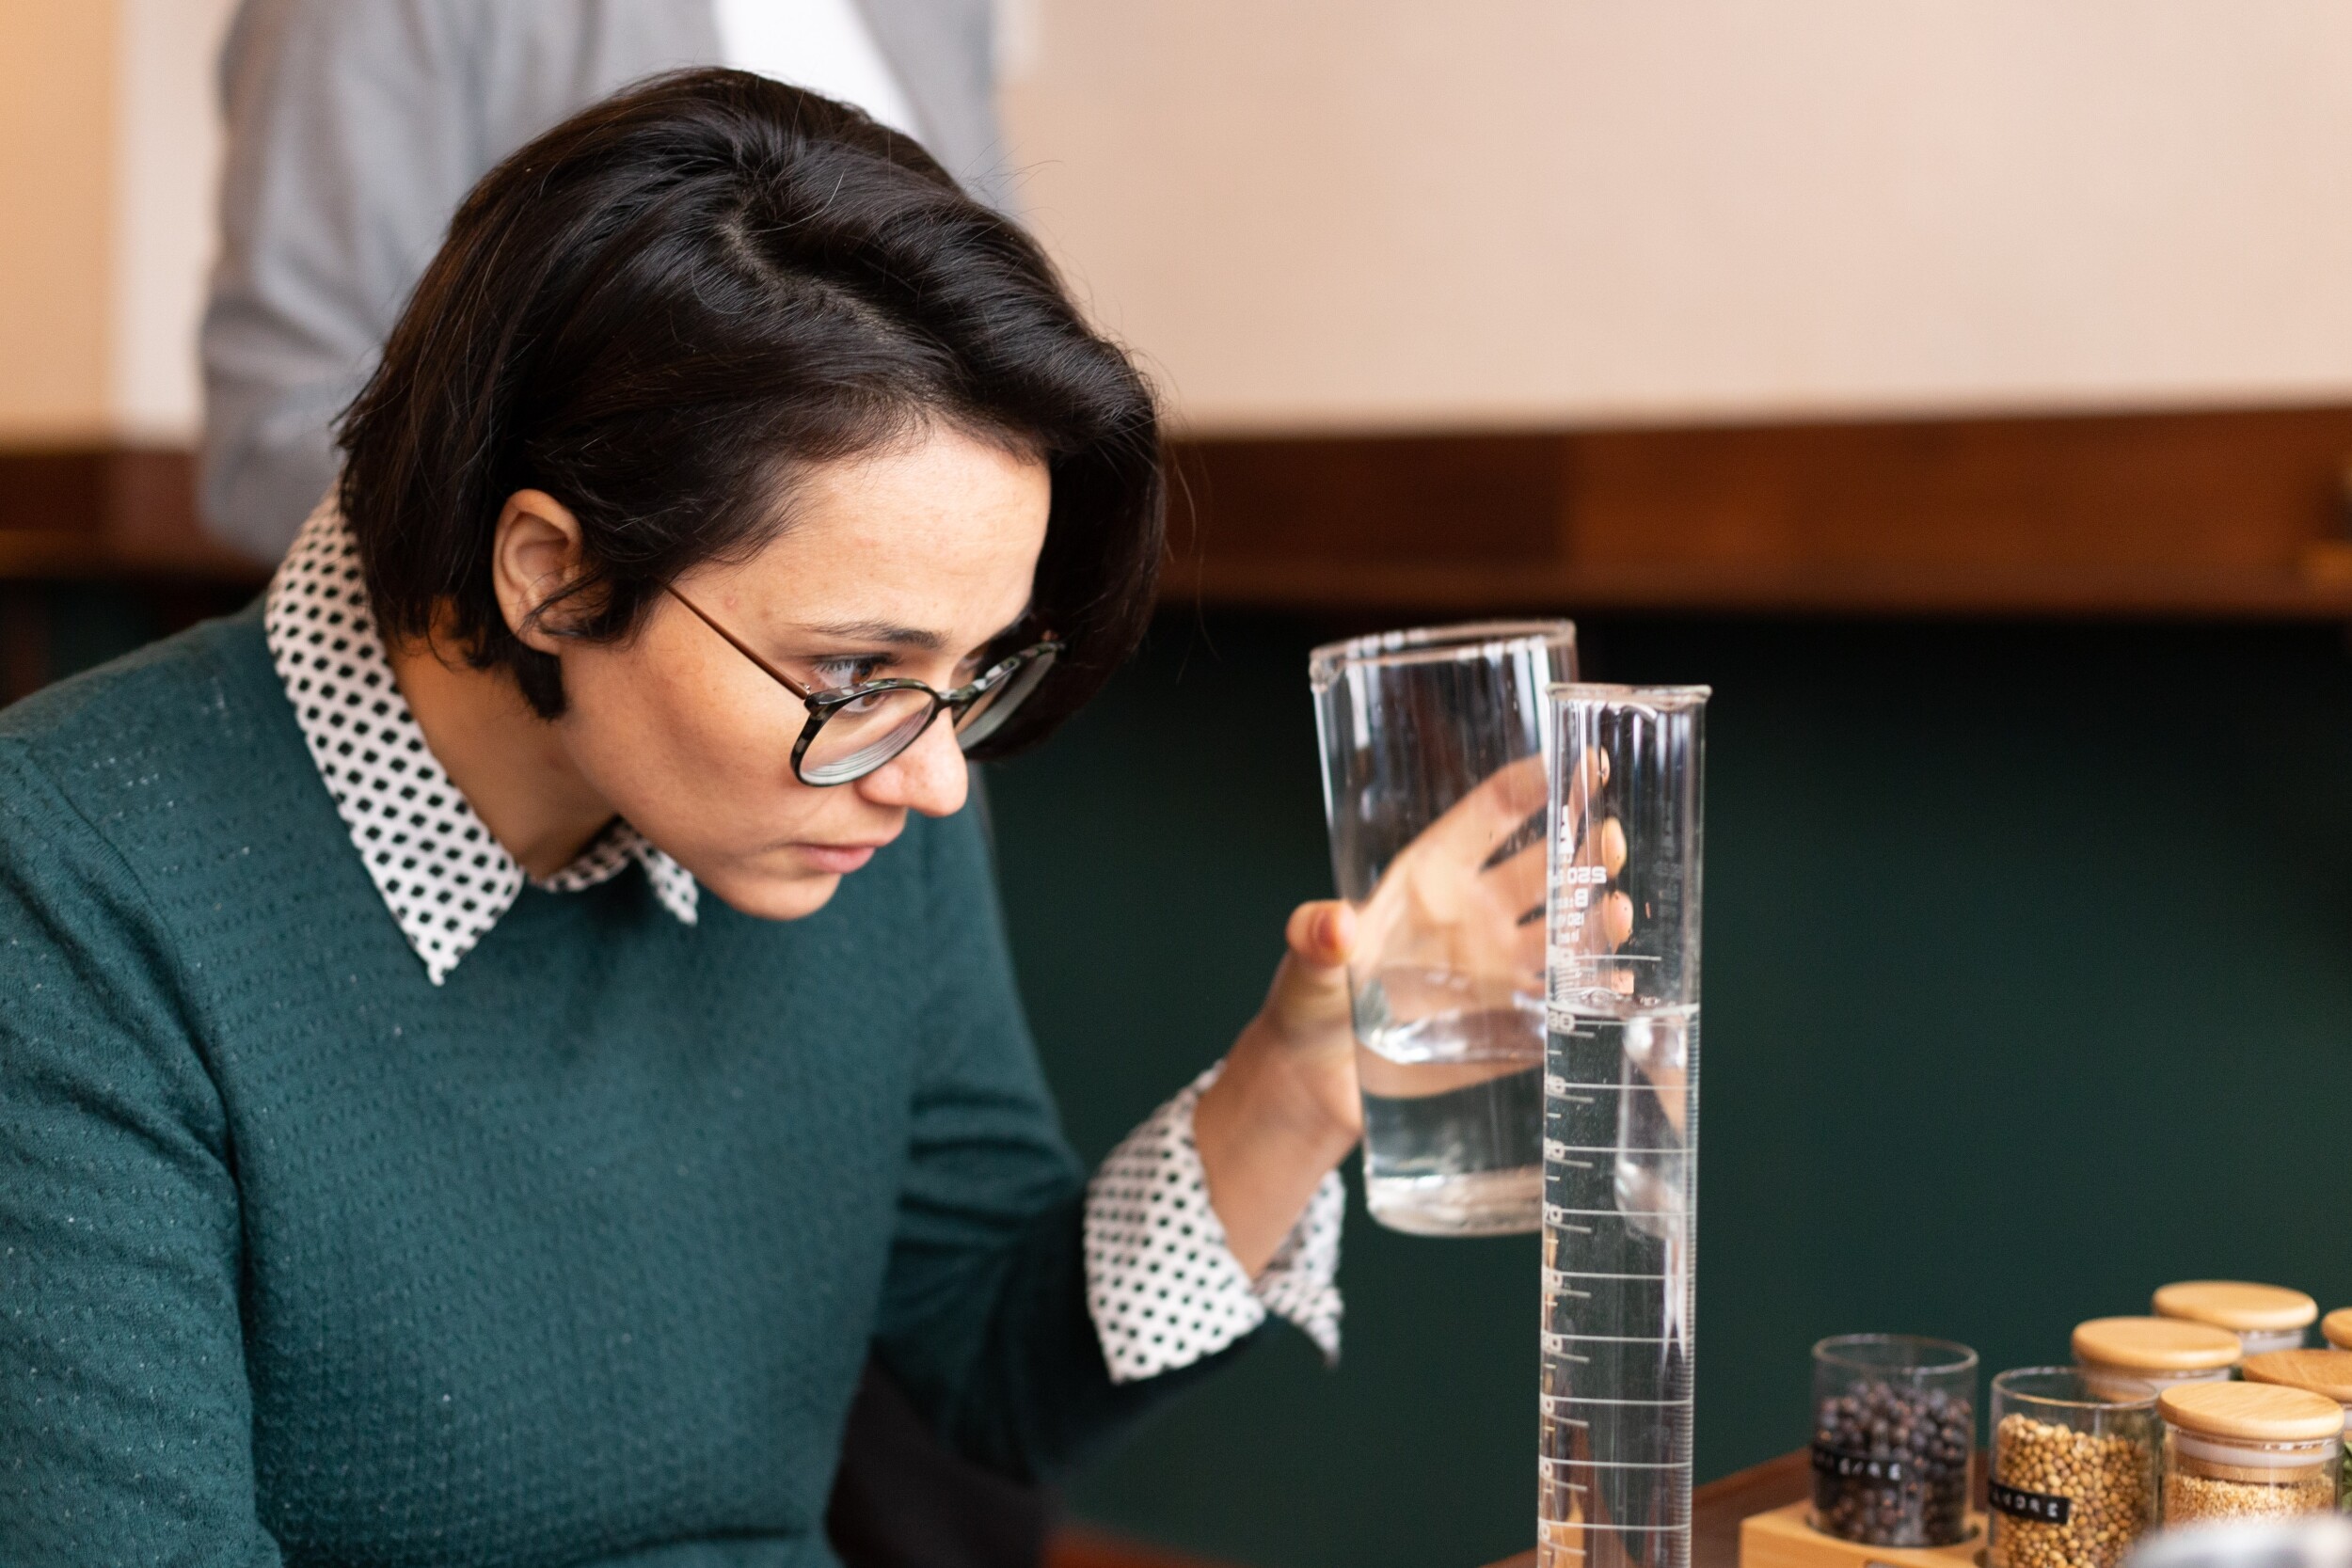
910,562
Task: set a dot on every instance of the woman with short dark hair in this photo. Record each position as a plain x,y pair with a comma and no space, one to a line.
404,1161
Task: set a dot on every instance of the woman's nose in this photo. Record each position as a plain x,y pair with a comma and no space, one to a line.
929,776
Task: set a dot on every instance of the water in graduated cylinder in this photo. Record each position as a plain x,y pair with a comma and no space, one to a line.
1621,1135
1452,1121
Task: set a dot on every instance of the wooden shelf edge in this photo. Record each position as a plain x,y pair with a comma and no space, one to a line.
41,555
2241,514
2221,514
1771,590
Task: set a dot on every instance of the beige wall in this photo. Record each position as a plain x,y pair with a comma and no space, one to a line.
167,170
108,148
57,96
1392,213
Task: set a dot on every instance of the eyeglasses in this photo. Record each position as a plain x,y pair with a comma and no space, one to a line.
855,728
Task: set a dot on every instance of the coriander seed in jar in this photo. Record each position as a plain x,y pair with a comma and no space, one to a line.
2074,1482
2119,1355
2325,1372
2265,1318
2248,1450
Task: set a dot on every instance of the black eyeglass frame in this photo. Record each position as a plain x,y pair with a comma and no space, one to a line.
824,704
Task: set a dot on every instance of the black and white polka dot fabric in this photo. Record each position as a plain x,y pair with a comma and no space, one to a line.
444,878
1162,1287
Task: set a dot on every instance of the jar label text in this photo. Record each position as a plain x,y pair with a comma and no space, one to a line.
2018,1503
1837,1461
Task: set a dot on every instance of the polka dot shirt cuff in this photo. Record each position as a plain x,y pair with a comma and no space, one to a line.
1163,1288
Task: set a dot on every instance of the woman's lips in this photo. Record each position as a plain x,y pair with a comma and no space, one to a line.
837,859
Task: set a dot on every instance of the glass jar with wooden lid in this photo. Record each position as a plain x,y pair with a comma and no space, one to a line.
2265,1318
2248,1450
2336,1328
2119,1354
2325,1372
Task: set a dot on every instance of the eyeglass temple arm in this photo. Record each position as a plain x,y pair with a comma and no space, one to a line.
740,646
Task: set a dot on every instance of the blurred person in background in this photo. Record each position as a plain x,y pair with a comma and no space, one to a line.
355,126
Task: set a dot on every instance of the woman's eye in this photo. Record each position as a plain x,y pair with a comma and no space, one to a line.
833,674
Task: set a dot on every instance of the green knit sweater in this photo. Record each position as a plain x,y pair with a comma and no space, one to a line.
573,1260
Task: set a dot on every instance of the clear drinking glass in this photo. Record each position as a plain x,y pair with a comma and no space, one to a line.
1433,785
1621,1126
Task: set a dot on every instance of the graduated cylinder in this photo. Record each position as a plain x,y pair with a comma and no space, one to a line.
1621,1125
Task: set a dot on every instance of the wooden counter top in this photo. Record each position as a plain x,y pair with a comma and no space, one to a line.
1716,1511
1717,1508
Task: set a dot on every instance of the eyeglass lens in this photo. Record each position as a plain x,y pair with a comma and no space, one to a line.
988,715
859,737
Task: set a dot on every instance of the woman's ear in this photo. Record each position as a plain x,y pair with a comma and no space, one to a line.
534,555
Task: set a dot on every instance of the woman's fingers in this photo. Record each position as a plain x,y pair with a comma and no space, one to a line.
1321,934
1516,886
1308,999
1616,919
1468,895
1591,772
1473,825
1610,850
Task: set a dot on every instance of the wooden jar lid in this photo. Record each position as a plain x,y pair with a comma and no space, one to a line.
2251,1412
2232,1304
2337,1327
2156,1345
2322,1371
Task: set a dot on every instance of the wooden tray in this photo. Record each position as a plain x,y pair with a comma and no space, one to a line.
1782,1539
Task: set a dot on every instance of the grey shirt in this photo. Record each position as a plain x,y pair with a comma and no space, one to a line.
356,127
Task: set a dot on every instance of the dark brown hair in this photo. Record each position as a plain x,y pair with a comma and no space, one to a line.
659,309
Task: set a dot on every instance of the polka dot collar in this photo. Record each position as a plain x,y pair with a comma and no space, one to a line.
445,879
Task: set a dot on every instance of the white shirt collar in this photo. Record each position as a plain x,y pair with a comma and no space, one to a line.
445,879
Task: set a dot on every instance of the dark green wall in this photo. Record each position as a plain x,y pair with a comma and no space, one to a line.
2030,987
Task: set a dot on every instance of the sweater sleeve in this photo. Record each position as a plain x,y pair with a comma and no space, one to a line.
984,1316
125,1414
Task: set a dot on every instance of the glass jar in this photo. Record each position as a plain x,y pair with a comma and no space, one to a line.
2336,1328
1894,1439
2325,1372
2248,1450
2265,1318
2119,1355
2073,1482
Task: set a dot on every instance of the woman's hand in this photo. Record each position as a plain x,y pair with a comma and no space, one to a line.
1285,1109
1455,925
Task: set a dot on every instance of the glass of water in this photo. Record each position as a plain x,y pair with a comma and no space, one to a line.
1435,789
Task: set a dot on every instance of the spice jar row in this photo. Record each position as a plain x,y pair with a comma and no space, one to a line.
2147,1426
